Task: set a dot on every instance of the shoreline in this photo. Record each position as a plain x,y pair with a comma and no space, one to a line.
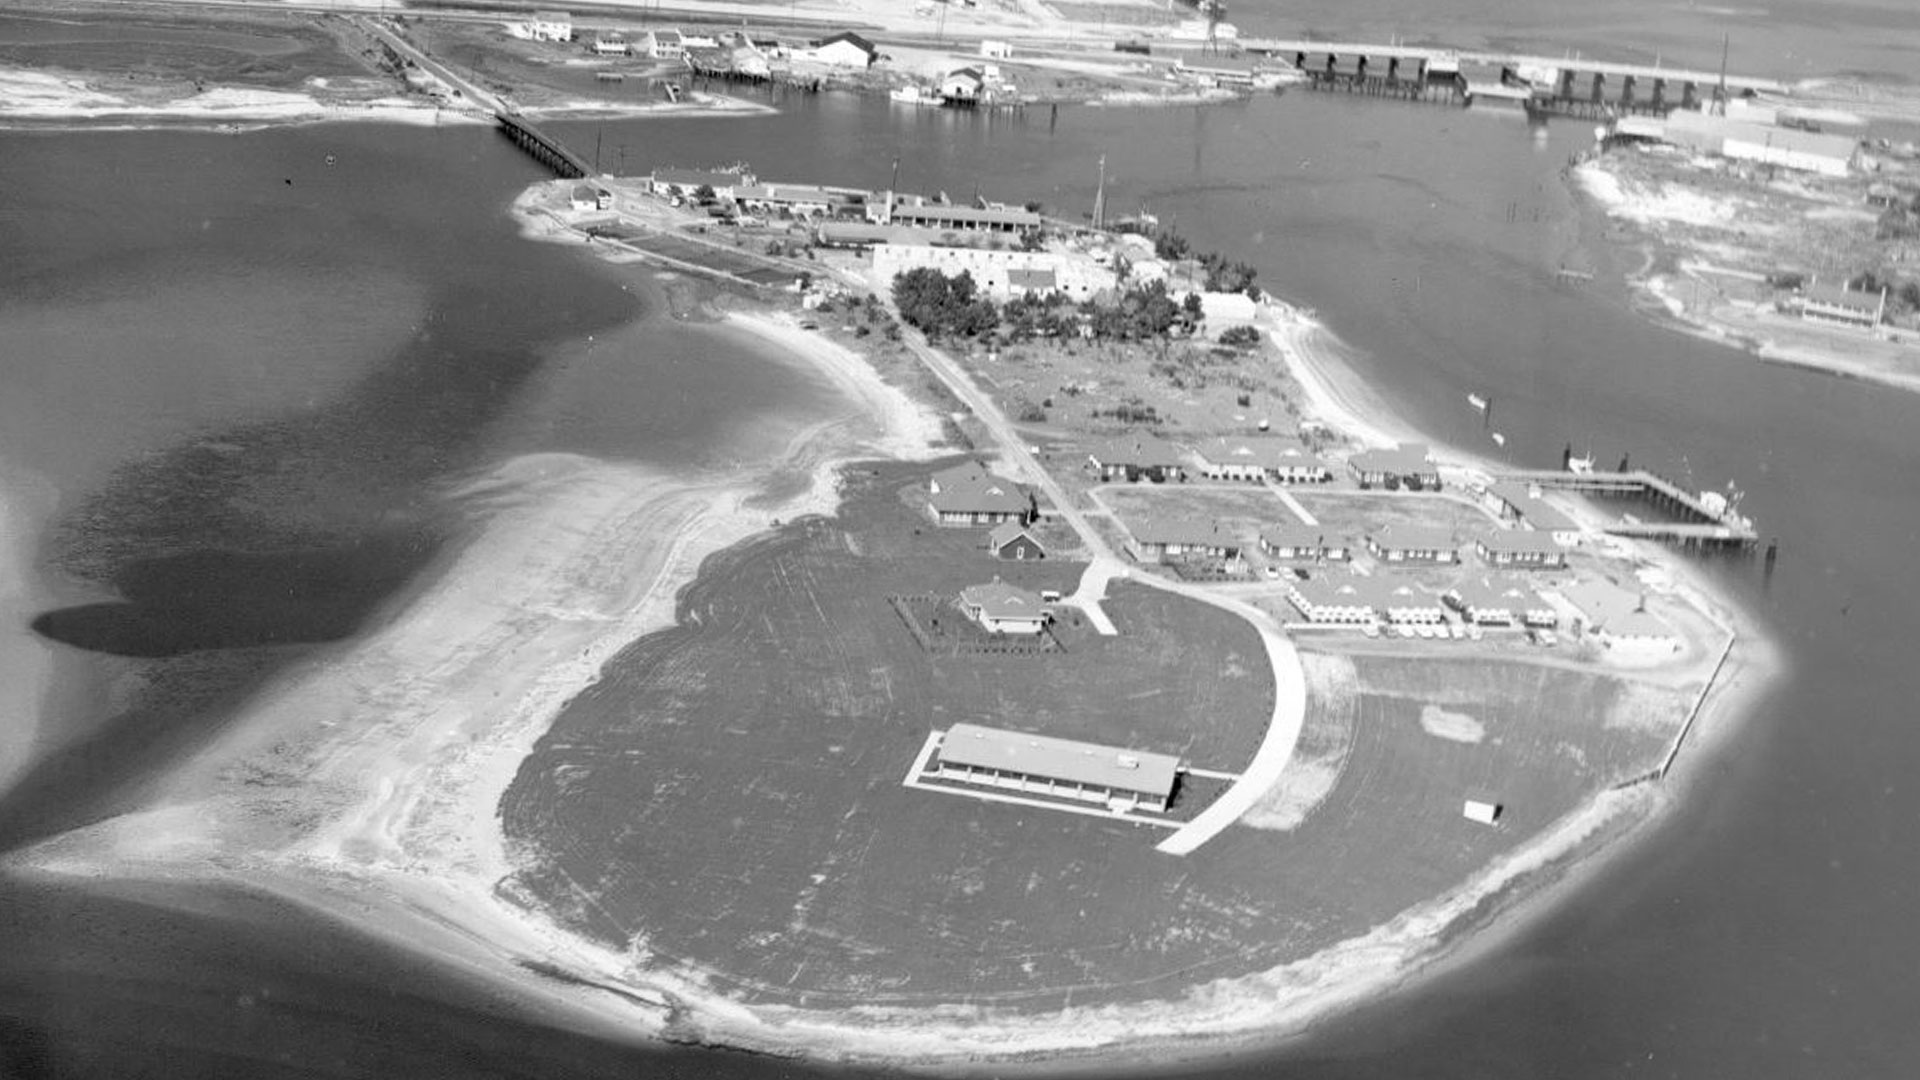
399,848
1654,298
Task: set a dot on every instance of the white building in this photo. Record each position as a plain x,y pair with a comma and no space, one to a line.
611,43
550,26
996,50
666,44
999,274
845,50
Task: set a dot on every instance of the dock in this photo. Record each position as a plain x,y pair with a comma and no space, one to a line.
1569,85
1712,525
544,148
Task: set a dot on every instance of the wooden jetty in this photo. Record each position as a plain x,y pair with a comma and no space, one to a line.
1713,526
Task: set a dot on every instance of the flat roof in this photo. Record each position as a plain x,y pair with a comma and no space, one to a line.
1404,536
1519,541
1060,759
1406,459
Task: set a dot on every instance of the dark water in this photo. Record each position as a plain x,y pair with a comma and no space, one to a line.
378,321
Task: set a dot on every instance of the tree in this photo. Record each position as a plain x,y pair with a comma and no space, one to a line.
704,194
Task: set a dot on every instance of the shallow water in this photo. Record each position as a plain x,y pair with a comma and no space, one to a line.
1763,932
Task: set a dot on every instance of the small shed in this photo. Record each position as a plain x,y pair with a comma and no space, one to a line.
1013,541
1483,808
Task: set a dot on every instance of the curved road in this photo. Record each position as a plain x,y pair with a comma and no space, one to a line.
1289,684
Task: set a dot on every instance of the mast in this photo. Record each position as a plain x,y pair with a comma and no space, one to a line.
1100,197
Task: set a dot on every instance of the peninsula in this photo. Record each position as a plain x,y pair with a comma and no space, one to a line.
1114,675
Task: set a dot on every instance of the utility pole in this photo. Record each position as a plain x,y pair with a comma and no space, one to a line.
1100,197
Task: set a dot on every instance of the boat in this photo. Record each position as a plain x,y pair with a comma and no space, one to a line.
1477,402
1581,465
912,95
1499,439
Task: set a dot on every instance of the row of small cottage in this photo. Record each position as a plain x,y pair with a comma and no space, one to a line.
1176,540
1145,456
1617,617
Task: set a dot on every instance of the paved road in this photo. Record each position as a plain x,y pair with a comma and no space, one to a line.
471,92
1289,683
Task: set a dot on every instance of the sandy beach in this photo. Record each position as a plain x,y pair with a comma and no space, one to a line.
367,785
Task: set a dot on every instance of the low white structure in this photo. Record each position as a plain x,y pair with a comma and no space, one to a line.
1618,619
611,43
846,50
1062,768
1482,809
1000,608
550,26
996,50
1841,306
666,44
1077,277
1222,310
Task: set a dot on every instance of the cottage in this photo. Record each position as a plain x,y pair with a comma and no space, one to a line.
1520,548
1336,601
1500,602
1181,540
1000,608
1404,605
1261,458
587,197
847,50
1401,543
1619,619
550,26
611,43
970,495
963,87
1035,282
1062,768
1294,541
667,44
1013,541
1840,306
1133,457
1407,465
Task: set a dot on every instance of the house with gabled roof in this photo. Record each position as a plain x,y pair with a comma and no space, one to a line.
1336,600
845,49
1520,549
1001,608
1014,541
1522,504
1266,457
1403,604
970,495
1168,540
1398,542
1137,456
1488,601
1618,618
1294,540
1408,465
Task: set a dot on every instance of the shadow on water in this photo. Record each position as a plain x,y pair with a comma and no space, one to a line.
202,600
237,552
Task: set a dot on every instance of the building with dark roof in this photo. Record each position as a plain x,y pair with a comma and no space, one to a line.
1520,548
1136,456
1397,542
1167,540
1407,465
1841,306
1013,541
970,495
1060,768
1264,457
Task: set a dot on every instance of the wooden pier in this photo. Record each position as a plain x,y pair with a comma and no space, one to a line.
543,147
1711,527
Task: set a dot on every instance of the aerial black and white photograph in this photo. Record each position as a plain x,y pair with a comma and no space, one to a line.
839,539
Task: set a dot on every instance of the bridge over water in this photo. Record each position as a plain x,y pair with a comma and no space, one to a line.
545,148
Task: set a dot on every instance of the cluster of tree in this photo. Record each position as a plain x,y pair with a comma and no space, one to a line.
942,306
1143,313
1239,336
1903,293
1223,274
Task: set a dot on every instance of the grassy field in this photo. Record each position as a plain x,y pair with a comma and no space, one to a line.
730,793
1354,516
729,796
1243,510
271,50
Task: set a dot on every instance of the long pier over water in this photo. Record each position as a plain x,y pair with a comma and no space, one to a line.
1712,525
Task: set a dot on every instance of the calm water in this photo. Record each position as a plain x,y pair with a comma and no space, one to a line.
200,354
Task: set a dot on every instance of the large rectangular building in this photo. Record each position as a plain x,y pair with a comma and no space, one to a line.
1063,768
